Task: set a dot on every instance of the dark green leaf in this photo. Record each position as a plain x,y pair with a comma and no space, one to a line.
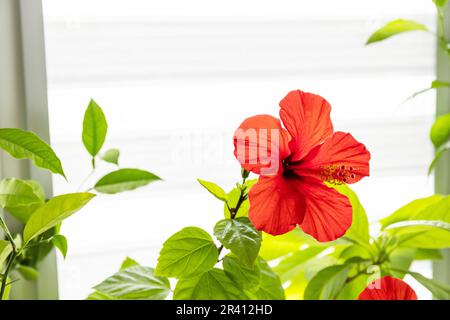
211,285
440,131
94,128
135,283
187,253
270,285
26,145
395,27
20,198
124,180
53,212
60,242
111,156
127,263
246,277
214,189
327,284
240,237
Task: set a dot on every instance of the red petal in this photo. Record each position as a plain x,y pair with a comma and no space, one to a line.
260,143
276,204
339,159
388,288
328,214
306,117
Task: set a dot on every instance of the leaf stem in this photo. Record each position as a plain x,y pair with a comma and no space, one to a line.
86,179
9,265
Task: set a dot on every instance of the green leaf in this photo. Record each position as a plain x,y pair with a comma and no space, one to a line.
274,247
395,27
240,237
111,156
439,290
436,84
94,128
352,289
359,230
5,250
124,180
127,263
270,285
214,189
327,283
211,285
411,210
246,277
438,154
440,131
29,273
61,243
428,254
232,201
26,145
97,295
135,283
440,3
53,212
187,253
20,198
401,258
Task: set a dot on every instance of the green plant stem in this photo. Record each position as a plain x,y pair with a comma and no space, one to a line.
9,265
8,233
86,179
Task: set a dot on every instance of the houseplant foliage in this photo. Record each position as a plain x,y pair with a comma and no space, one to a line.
271,247
26,201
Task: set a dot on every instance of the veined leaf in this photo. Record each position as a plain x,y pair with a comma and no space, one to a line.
246,277
214,189
270,285
112,156
327,283
20,198
211,285
239,236
53,212
135,283
187,253
26,145
94,128
60,242
440,131
5,250
395,27
127,263
97,295
124,180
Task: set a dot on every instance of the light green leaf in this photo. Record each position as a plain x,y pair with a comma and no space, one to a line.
5,250
135,283
240,237
29,273
111,156
232,200
124,180
401,258
26,145
53,212
428,254
94,128
440,3
327,283
429,234
60,242
439,290
127,263
20,198
97,295
353,289
270,285
437,156
359,230
274,247
211,285
395,27
440,131
246,277
214,189
187,253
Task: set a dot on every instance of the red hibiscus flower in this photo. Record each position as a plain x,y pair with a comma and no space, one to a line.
388,288
294,163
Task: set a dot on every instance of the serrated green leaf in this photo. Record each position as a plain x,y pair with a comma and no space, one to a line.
395,27
270,285
22,144
232,201
440,131
135,283
60,242
53,212
214,189
124,180
187,253
246,277
20,198
327,283
112,156
240,237
94,128
127,263
5,250
211,285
